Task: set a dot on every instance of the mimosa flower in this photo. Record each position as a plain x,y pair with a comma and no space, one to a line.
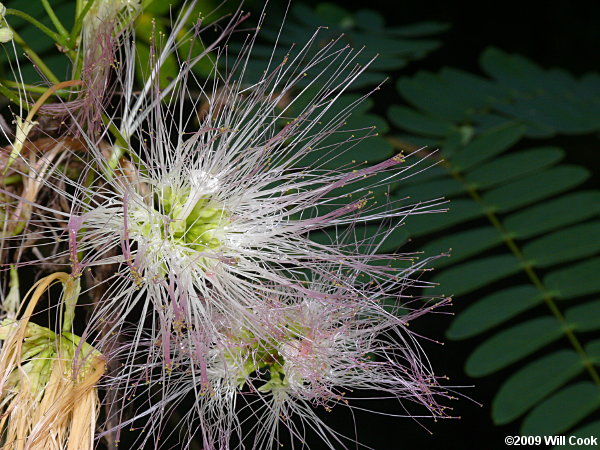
287,359
203,200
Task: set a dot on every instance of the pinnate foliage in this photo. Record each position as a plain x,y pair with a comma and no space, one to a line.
522,227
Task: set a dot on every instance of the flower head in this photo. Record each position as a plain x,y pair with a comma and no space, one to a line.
227,210
203,202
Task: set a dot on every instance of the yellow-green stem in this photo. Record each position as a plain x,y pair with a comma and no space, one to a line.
71,291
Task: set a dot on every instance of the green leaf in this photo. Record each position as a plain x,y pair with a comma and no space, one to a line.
513,166
362,29
460,211
169,69
391,242
415,122
591,429
474,90
571,208
370,150
565,245
365,120
493,310
472,275
593,351
528,386
487,145
427,92
463,244
561,113
334,14
429,172
376,185
430,190
512,344
576,280
536,187
584,317
563,410
512,70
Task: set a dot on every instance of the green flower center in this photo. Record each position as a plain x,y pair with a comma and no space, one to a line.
264,358
201,229
193,221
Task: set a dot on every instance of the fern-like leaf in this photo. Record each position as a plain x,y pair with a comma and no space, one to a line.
523,237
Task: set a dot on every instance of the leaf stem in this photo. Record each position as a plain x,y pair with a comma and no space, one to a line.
72,289
57,24
43,28
10,94
31,88
80,15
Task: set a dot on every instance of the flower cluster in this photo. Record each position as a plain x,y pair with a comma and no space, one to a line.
190,214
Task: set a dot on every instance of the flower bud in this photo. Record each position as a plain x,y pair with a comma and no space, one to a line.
6,35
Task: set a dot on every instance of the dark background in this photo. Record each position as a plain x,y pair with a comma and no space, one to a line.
557,34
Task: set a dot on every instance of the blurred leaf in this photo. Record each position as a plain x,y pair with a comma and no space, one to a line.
159,7
487,145
421,29
512,166
471,275
426,92
477,92
169,69
575,281
463,244
512,344
591,429
494,310
478,122
584,317
365,28
367,237
415,122
563,410
565,245
593,350
44,46
511,70
554,214
430,190
368,19
529,385
536,187
460,211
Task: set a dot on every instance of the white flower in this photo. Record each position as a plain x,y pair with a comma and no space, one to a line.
289,358
230,206
204,205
